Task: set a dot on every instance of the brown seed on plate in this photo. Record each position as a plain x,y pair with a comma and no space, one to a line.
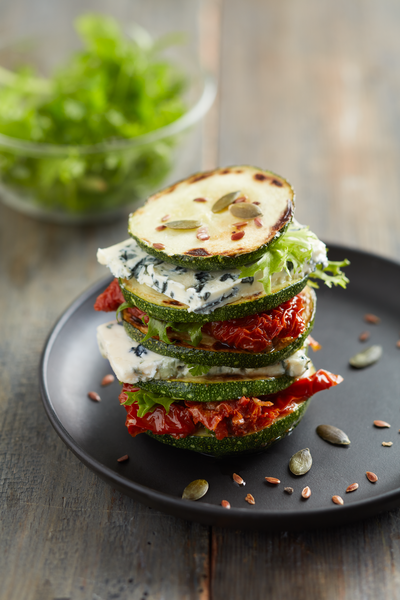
237,235
123,458
107,379
161,227
242,224
337,500
371,477
195,490
333,435
165,218
94,396
370,318
301,462
306,493
273,480
238,479
288,490
352,488
398,343
381,424
250,499
225,504
258,222
199,199
158,246
387,444
364,336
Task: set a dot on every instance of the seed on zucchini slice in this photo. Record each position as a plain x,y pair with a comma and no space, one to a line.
211,352
272,194
164,308
231,446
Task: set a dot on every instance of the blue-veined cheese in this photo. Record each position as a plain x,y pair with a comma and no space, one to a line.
133,363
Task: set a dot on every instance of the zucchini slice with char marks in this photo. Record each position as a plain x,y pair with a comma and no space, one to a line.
213,353
164,308
231,446
216,240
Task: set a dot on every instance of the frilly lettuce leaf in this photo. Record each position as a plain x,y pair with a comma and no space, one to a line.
198,370
159,328
147,401
337,276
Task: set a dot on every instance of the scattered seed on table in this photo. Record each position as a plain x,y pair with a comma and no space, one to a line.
225,504
381,424
387,444
301,462
94,396
333,435
371,477
370,318
337,500
364,336
306,493
107,379
288,490
367,357
123,458
273,480
238,479
250,499
352,488
398,343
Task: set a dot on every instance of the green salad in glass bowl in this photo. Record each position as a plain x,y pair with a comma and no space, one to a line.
102,131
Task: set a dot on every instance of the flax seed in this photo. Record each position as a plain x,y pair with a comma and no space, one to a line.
123,458
225,504
158,246
250,499
370,318
364,336
237,479
273,480
306,493
337,500
352,488
371,477
381,424
107,379
94,396
237,235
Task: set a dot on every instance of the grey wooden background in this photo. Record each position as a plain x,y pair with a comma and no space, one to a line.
307,89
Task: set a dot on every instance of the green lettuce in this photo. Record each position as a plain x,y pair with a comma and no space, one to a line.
159,328
148,402
290,252
198,370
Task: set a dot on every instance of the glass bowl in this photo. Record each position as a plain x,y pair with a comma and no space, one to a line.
86,184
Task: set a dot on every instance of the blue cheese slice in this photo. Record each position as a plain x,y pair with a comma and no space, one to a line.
133,363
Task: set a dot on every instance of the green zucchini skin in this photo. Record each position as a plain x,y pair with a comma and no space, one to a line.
233,446
223,313
215,358
203,389
209,263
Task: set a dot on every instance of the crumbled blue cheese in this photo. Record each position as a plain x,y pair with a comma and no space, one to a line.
201,291
132,362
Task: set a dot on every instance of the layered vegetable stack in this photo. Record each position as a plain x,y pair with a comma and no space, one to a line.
215,305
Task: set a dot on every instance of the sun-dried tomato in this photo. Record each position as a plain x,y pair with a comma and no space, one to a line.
256,333
228,418
110,299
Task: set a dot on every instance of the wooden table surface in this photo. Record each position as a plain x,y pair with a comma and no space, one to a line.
309,90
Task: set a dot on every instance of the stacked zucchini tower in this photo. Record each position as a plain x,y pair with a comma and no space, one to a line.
214,300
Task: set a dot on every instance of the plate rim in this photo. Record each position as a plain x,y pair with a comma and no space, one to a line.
203,512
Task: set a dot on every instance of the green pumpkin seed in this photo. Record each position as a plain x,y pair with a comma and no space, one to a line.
301,462
183,224
333,435
366,358
195,490
245,211
225,201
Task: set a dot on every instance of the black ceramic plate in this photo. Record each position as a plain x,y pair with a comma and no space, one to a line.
157,474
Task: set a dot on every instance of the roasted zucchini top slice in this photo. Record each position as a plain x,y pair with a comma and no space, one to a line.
215,219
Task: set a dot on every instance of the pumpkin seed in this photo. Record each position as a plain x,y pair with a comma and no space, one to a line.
301,462
366,358
245,211
225,201
333,435
195,490
184,224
